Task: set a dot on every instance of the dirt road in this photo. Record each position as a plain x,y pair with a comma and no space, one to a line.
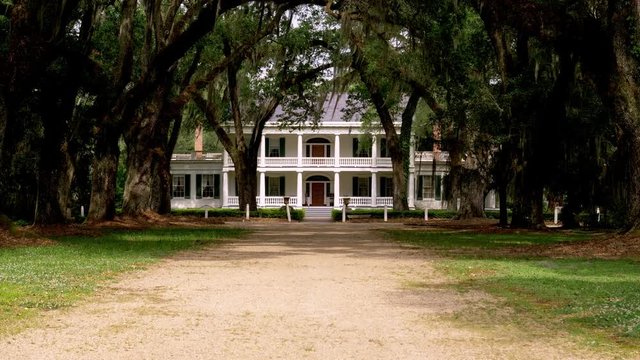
289,291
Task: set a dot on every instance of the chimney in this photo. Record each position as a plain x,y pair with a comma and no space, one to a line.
198,143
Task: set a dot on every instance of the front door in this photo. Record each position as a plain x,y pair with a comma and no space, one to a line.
317,194
317,151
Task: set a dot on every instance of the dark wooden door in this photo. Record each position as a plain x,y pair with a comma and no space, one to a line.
317,151
317,194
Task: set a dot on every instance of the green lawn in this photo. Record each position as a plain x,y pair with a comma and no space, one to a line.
33,279
599,299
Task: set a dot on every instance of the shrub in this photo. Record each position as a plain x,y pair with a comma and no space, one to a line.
281,213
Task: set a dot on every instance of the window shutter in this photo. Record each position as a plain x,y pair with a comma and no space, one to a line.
266,147
355,147
383,147
383,186
355,187
282,146
438,184
420,186
187,186
267,188
282,185
369,190
198,186
216,186
328,151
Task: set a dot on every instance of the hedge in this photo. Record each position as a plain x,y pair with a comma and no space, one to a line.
280,213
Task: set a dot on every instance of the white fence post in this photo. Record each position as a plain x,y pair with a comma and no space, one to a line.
247,212
385,212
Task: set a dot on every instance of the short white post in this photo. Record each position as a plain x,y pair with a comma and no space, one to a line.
555,215
344,212
385,213
598,212
288,214
82,211
206,213
426,213
458,204
247,212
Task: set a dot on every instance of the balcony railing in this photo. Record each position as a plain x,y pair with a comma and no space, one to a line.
356,162
269,201
280,161
318,162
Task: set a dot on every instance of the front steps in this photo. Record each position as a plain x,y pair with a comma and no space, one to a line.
317,212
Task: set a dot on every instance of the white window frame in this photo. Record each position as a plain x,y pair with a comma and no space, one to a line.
178,186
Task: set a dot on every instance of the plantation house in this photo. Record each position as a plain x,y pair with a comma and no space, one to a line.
316,167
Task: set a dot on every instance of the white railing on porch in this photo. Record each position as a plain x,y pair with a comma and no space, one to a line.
382,201
359,162
320,162
282,161
269,201
356,201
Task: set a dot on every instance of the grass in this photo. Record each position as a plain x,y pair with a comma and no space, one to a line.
598,299
34,279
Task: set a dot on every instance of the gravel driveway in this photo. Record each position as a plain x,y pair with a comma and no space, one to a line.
288,291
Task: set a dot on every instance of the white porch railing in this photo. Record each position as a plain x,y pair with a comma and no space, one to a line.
269,201
355,162
356,201
319,162
282,161
383,162
382,201
277,201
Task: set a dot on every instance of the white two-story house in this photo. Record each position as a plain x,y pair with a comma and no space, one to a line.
314,167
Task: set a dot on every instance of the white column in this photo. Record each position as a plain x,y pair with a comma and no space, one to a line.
411,185
262,188
337,154
374,150
193,186
262,150
299,190
336,189
374,188
300,151
225,158
225,188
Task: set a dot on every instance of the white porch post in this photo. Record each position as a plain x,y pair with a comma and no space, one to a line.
299,189
262,150
374,188
337,155
374,150
299,152
225,188
193,187
262,187
336,189
412,175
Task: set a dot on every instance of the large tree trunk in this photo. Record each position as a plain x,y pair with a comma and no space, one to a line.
472,189
620,88
104,172
145,150
246,171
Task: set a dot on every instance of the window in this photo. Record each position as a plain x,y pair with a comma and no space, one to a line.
386,187
275,148
360,149
361,186
430,187
207,186
180,187
384,149
275,186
